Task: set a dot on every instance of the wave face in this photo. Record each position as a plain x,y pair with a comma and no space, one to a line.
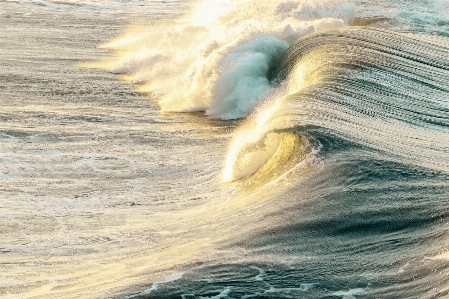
376,88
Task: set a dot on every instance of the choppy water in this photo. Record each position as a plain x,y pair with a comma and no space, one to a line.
224,149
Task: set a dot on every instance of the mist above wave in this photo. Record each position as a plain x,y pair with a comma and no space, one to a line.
216,58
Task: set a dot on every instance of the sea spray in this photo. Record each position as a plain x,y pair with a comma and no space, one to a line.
217,56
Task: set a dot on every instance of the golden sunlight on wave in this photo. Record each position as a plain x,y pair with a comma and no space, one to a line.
252,146
266,136
216,57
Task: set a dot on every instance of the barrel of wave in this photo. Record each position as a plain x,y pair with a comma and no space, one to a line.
268,144
265,148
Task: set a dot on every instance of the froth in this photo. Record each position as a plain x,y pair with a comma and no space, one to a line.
216,58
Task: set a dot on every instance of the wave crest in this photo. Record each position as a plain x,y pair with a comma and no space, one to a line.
379,89
216,57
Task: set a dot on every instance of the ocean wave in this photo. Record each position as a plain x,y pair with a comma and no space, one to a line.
376,88
216,57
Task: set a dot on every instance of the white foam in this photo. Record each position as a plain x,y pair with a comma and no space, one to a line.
222,295
261,275
349,294
155,285
217,56
304,287
243,80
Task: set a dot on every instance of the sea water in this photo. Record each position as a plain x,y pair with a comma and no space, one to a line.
224,149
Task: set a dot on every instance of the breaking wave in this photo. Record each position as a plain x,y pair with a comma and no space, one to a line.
376,88
288,66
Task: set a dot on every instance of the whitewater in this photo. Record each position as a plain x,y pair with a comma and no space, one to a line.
224,149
